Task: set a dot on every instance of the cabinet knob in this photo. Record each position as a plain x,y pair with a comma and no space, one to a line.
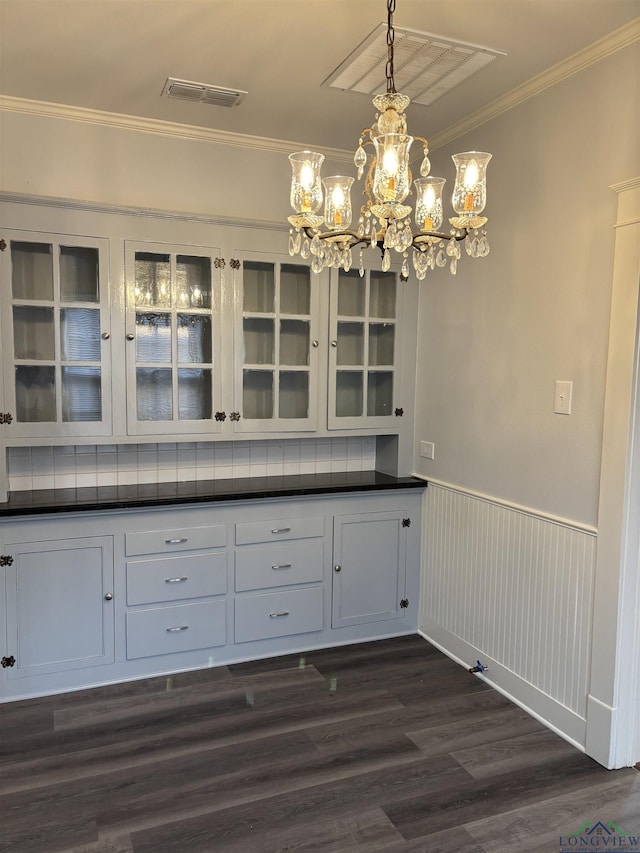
315,343
337,568
108,596
334,343
105,336
130,337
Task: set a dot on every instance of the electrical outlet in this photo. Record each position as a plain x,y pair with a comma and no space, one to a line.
427,449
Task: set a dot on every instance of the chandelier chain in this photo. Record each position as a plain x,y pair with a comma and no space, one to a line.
391,7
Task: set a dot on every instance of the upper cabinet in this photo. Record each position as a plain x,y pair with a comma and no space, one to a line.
56,335
364,355
277,345
170,328
173,346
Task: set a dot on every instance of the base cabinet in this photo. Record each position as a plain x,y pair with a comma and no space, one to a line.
59,605
170,589
369,568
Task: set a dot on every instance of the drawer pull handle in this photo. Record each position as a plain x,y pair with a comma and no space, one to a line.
177,628
176,580
175,541
278,615
281,530
282,566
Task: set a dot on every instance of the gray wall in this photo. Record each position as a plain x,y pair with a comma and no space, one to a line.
494,339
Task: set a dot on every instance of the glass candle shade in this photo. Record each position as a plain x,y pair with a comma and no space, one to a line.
337,202
429,212
470,190
306,186
391,179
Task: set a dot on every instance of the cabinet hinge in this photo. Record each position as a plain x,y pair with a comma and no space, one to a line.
221,416
3,245
6,417
399,413
235,416
406,522
234,263
404,603
6,560
219,263
8,661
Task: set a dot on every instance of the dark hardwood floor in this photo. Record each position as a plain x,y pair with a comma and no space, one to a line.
384,747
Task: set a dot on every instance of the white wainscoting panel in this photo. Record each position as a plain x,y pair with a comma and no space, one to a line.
514,588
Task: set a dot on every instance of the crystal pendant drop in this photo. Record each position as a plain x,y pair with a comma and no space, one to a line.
425,166
468,244
431,257
453,266
386,261
305,249
348,259
361,227
292,250
316,246
361,263
484,247
317,265
404,271
374,236
451,248
441,259
297,242
360,160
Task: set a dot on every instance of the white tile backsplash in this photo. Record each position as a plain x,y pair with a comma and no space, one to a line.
129,464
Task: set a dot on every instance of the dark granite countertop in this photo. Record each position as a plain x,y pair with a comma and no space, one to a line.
46,501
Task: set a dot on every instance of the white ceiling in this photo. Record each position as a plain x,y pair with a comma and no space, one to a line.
115,56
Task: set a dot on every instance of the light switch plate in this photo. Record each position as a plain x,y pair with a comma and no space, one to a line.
564,393
427,449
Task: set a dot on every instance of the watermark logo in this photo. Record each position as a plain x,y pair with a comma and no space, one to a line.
600,836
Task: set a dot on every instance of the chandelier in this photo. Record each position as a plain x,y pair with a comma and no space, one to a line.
385,221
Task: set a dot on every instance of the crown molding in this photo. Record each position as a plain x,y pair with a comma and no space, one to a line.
610,44
120,121
59,203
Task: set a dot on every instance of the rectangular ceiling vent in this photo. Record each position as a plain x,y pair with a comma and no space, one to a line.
426,66
216,96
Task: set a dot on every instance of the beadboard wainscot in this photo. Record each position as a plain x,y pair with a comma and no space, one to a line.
513,589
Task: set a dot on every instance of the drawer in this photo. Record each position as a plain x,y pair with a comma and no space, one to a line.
175,578
163,630
175,540
278,614
248,532
279,565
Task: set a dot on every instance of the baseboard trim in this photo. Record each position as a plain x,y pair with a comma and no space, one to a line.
556,717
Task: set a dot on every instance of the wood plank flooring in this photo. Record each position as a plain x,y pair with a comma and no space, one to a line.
384,747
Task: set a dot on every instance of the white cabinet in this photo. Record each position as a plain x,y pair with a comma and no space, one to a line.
56,335
175,587
287,564
171,328
277,345
365,353
173,339
369,569
59,603
99,597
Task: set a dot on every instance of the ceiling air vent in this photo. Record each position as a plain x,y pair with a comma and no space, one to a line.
425,65
216,96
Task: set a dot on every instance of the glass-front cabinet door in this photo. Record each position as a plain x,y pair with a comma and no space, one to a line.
56,335
363,351
276,346
173,339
